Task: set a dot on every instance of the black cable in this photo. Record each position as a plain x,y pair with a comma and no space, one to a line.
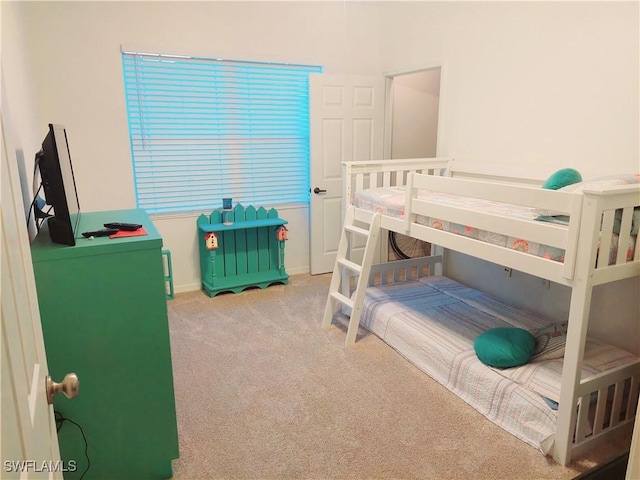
38,214
31,208
60,418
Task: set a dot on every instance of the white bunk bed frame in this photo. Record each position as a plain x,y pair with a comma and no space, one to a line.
590,214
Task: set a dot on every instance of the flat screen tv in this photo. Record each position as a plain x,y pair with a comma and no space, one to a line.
58,183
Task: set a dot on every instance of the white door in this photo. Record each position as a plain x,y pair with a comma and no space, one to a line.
29,440
346,115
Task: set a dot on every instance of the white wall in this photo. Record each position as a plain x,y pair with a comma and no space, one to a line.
553,83
18,86
74,55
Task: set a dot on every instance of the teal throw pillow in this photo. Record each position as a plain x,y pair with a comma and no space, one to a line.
505,347
562,178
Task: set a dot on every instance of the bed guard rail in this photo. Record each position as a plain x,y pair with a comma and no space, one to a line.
610,217
387,173
402,270
546,233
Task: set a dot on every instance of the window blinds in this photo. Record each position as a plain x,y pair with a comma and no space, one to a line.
205,129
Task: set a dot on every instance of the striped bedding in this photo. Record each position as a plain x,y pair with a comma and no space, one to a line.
434,321
391,201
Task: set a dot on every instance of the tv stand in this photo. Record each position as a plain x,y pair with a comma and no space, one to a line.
104,317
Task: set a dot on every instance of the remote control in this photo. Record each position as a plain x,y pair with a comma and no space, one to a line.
105,232
127,227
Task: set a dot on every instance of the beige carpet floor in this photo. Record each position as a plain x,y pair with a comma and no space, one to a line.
263,392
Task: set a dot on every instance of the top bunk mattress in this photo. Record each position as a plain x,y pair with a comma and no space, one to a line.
390,201
434,321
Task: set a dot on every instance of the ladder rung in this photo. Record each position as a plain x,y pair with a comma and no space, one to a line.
354,267
342,299
358,230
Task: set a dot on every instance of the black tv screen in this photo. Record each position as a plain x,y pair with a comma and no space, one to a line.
58,182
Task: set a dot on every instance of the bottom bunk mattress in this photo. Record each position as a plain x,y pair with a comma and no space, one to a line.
434,321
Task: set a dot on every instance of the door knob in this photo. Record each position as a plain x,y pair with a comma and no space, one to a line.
318,190
69,386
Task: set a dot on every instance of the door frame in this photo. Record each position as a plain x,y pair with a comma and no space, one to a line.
388,103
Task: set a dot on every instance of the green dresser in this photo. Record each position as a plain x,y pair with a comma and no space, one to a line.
104,317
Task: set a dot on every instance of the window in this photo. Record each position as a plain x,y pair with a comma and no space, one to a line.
204,129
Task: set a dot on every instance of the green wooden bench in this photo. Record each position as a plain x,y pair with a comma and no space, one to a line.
240,249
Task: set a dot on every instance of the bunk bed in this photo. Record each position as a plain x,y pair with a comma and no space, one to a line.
579,236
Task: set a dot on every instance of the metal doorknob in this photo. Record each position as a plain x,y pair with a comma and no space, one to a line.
69,386
318,190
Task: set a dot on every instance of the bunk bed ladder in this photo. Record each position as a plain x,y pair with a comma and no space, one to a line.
345,268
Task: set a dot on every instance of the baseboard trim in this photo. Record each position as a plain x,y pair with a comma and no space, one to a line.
188,287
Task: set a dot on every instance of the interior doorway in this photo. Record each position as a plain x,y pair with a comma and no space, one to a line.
415,107
413,125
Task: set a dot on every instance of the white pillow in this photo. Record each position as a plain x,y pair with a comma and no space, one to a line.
608,181
550,342
624,179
